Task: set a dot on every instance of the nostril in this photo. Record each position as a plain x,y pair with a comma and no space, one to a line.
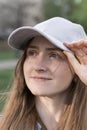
40,69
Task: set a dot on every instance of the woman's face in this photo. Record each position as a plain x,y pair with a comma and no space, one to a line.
46,69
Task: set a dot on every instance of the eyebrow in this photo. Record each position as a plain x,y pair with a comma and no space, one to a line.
49,48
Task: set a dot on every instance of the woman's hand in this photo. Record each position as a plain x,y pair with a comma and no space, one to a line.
78,60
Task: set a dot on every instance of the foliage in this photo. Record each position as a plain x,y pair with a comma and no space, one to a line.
50,9
6,78
75,10
8,54
80,14
58,8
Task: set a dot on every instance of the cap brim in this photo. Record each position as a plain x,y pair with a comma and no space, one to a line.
20,37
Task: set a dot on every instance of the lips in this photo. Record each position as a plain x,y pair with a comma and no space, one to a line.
40,78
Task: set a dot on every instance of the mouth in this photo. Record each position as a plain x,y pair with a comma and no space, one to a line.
40,78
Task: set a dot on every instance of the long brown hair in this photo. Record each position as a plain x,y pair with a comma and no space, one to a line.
20,112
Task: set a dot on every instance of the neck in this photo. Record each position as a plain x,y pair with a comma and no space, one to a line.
49,109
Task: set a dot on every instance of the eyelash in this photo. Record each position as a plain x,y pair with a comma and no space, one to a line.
52,55
32,53
55,55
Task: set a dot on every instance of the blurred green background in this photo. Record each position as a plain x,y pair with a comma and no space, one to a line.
75,10
6,76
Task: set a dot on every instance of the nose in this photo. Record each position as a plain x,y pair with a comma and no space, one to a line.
41,63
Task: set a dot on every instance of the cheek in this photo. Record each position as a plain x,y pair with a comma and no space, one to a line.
64,73
26,69
54,67
68,75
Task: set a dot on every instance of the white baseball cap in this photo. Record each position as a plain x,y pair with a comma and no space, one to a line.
57,30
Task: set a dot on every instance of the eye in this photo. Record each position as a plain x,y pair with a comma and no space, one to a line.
55,55
32,53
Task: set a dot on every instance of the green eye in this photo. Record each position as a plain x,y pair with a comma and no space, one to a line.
54,55
32,53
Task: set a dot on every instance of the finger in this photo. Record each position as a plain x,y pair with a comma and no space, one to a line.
81,43
73,61
81,55
83,59
80,52
84,49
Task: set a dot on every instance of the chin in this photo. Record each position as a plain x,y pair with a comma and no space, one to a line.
39,93
43,94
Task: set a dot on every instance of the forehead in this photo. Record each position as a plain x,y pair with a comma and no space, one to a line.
43,42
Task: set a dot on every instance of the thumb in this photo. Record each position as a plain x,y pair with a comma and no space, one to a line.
73,61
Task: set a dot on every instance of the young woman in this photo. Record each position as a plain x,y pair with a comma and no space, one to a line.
50,86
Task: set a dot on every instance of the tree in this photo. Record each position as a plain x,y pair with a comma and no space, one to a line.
75,10
80,14
58,8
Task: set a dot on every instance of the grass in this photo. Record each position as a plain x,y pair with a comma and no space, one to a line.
2,102
6,78
8,54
